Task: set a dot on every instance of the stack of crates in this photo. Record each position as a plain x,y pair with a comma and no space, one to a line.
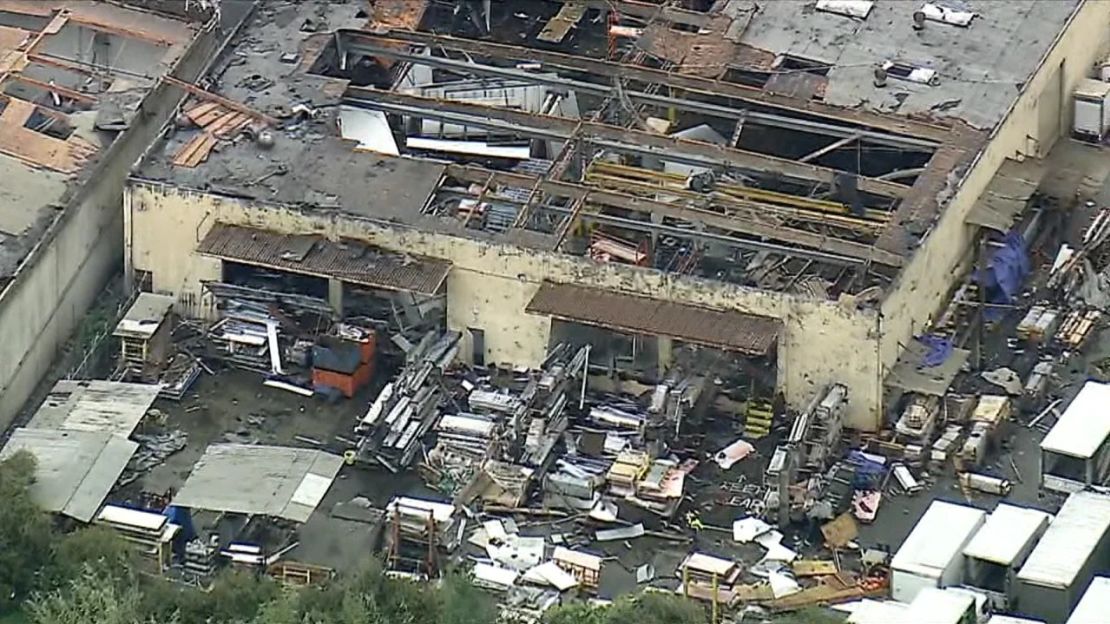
757,422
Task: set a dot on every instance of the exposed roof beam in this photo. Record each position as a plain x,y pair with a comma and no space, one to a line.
695,153
649,12
705,86
831,147
396,50
750,225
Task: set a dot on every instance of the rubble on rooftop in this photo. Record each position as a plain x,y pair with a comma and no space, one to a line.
767,169
538,138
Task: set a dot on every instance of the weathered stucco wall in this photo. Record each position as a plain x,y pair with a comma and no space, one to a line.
920,292
64,273
489,286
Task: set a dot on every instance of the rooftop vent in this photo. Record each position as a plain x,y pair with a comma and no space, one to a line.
850,8
880,76
946,14
919,20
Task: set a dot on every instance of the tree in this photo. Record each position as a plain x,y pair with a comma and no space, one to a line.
25,533
462,603
98,548
646,608
91,598
812,615
576,613
235,597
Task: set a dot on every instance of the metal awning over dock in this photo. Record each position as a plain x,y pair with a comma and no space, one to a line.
729,330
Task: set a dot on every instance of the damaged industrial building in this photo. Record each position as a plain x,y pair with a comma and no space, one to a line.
774,305
750,187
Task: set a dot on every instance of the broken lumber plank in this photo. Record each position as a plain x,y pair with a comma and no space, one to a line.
195,151
557,27
231,130
813,567
211,116
226,103
196,113
223,123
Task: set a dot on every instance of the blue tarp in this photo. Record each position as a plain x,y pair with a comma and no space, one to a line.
869,471
1005,273
938,349
182,518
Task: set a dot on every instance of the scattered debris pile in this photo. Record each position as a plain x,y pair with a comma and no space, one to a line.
392,429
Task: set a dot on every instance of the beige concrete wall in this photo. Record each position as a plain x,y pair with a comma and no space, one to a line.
920,292
62,276
489,286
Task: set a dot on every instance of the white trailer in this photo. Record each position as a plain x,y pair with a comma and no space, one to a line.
1075,455
1094,606
939,606
1058,571
932,555
999,549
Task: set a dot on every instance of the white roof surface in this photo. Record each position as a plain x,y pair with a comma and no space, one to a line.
1094,606
132,517
937,606
74,470
869,611
938,537
1013,619
1079,526
95,405
701,562
1007,530
577,557
260,480
145,316
1084,425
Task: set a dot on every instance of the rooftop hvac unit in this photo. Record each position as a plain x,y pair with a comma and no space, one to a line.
1092,109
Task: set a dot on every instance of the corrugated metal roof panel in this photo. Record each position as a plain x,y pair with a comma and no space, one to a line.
733,331
350,260
95,405
74,470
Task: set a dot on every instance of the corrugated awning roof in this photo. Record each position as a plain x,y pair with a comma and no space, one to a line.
733,331
350,260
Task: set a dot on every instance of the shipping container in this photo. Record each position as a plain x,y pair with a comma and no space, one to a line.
932,555
1058,571
998,550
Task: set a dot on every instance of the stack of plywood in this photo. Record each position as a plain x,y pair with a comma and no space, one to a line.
626,471
1076,327
1038,323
